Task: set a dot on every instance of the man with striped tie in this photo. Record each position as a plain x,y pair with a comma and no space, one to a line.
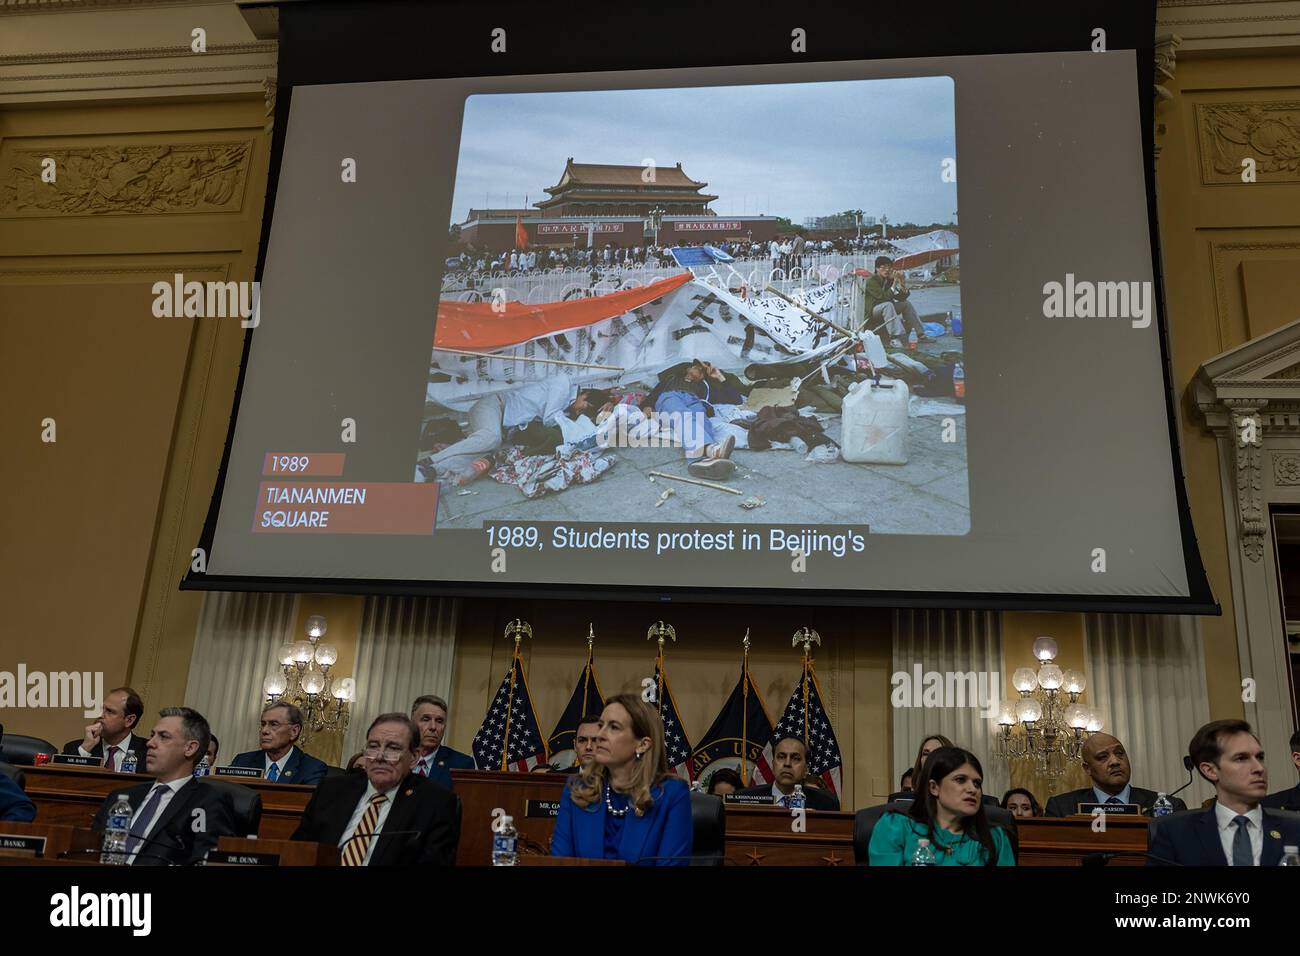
390,816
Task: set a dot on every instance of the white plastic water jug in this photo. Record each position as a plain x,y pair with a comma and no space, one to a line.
875,423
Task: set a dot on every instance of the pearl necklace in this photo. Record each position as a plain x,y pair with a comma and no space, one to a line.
609,806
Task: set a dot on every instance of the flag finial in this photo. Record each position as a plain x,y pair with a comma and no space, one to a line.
661,630
807,637
518,629
745,642
591,637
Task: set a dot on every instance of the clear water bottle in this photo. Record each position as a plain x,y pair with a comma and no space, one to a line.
129,762
1290,856
947,324
697,786
797,799
1162,807
203,767
505,844
959,381
924,855
912,341
115,832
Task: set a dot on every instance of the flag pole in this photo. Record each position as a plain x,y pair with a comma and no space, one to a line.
744,709
586,673
518,630
807,637
660,630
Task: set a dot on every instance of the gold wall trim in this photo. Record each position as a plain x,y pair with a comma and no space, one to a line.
1219,255
137,53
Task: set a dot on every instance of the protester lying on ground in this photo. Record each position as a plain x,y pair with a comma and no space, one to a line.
686,392
492,415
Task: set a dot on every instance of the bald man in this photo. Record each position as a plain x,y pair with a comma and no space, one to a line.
1106,762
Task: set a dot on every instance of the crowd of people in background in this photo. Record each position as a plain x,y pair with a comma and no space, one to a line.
784,253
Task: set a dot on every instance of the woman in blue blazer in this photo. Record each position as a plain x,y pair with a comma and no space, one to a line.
625,805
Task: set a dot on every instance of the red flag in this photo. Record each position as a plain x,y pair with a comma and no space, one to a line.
521,234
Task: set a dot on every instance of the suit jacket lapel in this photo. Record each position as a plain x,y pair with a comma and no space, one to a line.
179,803
340,811
400,817
636,829
1271,853
1208,830
290,768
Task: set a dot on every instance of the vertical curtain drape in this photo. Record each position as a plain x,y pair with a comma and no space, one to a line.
949,642
235,648
1147,676
406,648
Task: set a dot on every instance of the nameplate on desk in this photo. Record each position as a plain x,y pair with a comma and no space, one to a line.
541,808
21,845
1118,809
238,858
749,800
76,760
236,772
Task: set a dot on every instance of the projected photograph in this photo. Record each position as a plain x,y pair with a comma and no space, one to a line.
709,304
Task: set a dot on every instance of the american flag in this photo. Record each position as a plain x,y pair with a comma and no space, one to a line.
510,738
676,743
824,759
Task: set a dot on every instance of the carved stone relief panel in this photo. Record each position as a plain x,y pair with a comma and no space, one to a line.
151,178
1268,133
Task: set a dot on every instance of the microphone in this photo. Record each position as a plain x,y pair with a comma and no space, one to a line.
1101,859
1188,766
173,842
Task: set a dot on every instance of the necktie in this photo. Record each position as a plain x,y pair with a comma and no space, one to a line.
141,822
112,758
421,769
354,854
1242,855
1114,800
273,773
785,801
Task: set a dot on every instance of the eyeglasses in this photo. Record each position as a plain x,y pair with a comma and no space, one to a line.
389,754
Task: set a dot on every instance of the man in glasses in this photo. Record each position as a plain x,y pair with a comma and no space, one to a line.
279,759
390,816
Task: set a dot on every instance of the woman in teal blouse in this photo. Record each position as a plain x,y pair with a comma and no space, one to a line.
949,812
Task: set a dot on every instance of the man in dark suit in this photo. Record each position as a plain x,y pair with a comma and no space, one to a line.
1287,799
1106,762
387,816
279,759
1236,831
430,716
790,764
110,736
175,818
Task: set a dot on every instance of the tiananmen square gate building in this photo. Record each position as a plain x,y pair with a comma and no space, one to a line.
598,205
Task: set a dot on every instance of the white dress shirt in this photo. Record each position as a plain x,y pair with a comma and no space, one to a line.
359,812
1228,830
279,774
172,786
426,763
121,747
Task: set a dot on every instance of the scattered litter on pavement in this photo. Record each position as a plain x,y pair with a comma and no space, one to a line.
752,502
665,496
